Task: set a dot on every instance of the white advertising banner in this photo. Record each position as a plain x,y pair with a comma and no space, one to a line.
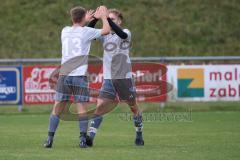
204,82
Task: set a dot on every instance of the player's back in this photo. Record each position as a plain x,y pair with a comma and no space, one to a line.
76,42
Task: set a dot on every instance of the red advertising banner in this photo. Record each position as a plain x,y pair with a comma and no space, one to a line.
36,88
150,81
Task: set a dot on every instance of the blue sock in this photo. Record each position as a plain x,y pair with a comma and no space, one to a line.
53,124
83,124
95,123
138,125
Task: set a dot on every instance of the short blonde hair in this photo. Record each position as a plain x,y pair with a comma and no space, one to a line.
116,12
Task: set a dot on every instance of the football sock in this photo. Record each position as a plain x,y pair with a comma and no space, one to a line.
95,123
83,124
53,124
138,125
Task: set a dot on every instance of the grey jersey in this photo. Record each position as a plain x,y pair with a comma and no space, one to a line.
116,61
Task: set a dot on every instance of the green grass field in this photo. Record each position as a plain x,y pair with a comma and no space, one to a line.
158,27
214,134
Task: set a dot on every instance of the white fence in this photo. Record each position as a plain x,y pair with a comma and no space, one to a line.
149,59
193,78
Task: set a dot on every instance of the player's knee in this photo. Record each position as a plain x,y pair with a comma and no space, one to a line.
55,113
99,109
58,108
131,103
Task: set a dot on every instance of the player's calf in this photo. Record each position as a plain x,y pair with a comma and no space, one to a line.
95,124
138,126
53,124
83,124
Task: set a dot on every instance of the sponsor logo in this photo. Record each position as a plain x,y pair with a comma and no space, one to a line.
190,82
2,78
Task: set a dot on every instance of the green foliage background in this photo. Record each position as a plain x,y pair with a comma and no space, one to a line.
159,27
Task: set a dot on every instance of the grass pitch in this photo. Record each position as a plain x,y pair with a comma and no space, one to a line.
208,135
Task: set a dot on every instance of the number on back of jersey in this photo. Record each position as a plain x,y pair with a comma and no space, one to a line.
72,46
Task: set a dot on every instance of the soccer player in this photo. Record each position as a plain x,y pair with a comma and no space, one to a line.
76,41
117,73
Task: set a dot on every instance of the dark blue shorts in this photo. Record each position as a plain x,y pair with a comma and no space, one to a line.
123,88
72,85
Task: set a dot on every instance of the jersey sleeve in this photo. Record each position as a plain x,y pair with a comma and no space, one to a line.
128,33
92,33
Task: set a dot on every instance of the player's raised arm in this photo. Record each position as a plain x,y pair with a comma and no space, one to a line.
117,29
93,23
94,20
115,19
89,15
102,12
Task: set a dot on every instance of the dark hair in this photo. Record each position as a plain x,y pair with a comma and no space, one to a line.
77,14
116,12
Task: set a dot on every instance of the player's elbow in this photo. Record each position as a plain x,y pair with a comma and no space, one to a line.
124,36
105,32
